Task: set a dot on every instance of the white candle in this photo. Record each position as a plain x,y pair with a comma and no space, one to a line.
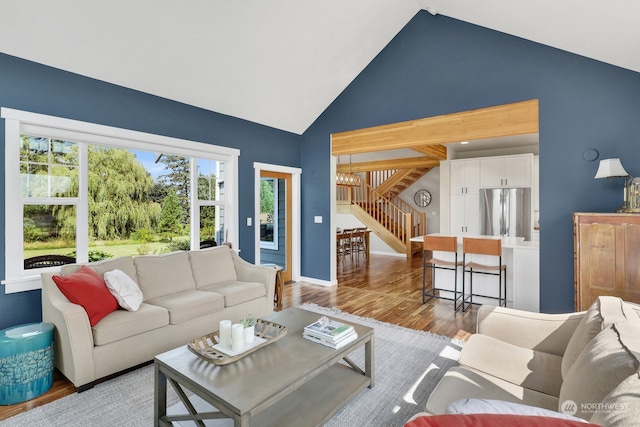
237,337
225,333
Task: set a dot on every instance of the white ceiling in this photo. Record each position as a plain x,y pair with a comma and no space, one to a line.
279,62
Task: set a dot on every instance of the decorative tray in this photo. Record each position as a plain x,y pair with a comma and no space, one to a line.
266,333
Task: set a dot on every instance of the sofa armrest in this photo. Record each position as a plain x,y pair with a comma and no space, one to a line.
248,272
73,336
549,333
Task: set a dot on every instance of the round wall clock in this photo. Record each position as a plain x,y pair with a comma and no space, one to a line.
422,198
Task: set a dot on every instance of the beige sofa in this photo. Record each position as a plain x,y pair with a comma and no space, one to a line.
582,364
185,295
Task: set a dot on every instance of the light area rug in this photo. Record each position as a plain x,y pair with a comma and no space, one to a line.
408,365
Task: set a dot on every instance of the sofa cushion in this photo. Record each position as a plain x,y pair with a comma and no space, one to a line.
87,288
237,292
620,408
123,324
124,263
213,265
605,362
460,382
605,311
160,275
493,420
125,290
521,366
633,306
188,305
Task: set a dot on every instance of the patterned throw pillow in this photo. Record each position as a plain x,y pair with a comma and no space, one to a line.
124,289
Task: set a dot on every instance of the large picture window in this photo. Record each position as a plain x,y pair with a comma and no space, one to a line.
78,192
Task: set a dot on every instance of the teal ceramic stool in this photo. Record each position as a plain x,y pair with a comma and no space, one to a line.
26,362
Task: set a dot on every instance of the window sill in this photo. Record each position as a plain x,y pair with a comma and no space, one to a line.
22,284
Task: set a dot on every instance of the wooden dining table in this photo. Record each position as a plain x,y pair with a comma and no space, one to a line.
342,234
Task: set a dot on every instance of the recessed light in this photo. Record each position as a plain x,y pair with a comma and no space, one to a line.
464,142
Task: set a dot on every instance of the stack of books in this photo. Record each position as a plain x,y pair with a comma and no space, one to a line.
330,333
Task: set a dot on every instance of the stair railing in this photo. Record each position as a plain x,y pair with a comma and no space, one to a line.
378,177
381,209
419,219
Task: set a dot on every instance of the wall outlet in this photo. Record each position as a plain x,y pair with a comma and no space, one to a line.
249,221
317,219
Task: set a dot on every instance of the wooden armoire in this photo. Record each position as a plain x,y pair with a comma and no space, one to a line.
606,257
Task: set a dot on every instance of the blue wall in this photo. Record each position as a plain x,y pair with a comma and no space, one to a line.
437,65
36,88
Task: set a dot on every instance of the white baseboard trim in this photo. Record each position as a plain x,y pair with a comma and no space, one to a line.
395,254
315,281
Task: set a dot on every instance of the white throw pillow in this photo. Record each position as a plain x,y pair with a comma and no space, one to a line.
124,289
490,406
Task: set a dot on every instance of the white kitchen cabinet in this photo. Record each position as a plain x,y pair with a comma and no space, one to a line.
535,193
506,171
465,197
465,214
465,176
535,196
525,278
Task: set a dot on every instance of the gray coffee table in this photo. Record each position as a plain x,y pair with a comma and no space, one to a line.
292,382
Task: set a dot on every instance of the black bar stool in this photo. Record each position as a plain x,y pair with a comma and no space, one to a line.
491,247
441,244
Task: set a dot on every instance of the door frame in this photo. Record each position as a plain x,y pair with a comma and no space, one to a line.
295,212
287,177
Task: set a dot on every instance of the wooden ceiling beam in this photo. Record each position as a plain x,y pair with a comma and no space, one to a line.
377,165
503,120
438,151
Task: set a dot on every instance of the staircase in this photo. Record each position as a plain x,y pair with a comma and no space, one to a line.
399,181
393,221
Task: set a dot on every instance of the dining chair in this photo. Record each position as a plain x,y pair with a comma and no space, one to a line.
343,244
358,244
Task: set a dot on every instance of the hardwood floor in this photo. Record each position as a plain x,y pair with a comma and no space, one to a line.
387,289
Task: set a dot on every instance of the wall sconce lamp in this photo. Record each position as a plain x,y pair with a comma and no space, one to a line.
612,168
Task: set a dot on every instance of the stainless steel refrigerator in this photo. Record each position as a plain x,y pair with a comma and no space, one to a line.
505,212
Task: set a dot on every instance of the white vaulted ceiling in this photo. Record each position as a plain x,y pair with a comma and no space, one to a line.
279,62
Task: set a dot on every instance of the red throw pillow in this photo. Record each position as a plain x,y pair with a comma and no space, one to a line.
86,288
493,420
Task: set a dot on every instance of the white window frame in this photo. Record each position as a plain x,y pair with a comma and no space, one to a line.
19,122
193,188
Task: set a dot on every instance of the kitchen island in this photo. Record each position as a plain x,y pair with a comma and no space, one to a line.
522,259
